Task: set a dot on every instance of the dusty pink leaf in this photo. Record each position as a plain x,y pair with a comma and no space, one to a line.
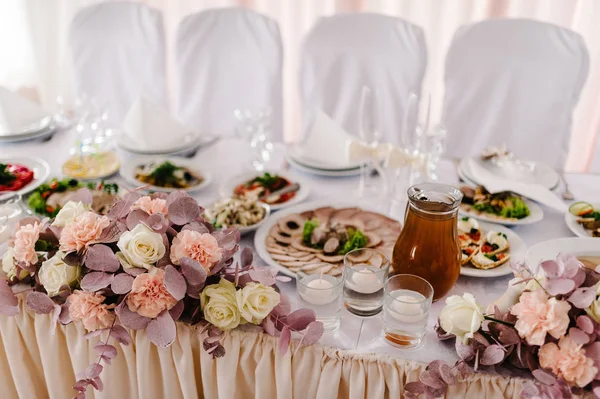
136,217
447,375
130,319
193,272
175,283
581,298
284,340
227,238
313,332
40,303
432,379
283,279
177,310
82,195
64,317
122,283
121,335
9,304
579,277
544,377
101,258
284,307
560,285
262,276
596,389
509,336
586,324
464,351
493,354
135,271
122,208
174,196
578,336
106,350
93,334
246,257
193,291
416,387
300,319
183,210
28,220
73,259
269,326
570,264
158,223
162,330
93,370
551,268
112,233
196,226
81,386
95,281
55,316
97,384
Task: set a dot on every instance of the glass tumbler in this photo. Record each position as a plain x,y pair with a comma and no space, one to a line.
365,271
323,294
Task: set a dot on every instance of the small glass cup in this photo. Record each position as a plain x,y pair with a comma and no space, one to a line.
365,271
11,206
406,305
323,294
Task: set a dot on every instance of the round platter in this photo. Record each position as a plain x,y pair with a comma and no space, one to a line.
128,173
536,214
41,171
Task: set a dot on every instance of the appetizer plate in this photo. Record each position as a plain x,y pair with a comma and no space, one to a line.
547,250
95,166
517,251
228,186
128,171
189,143
323,172
41,171
299,156
576,228
247,229
536,214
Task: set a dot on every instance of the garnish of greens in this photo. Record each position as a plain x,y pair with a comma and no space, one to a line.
164,174
5,176
267,180
356,240
510,207
353,239
309,226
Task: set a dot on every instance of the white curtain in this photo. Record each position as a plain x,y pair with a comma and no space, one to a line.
45,38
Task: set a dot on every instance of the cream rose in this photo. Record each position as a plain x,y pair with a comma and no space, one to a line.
69,212
461,316
140,247
510,296
55,273
218,302
255,301
594,309
9,267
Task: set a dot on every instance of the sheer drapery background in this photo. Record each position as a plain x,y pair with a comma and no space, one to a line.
34,53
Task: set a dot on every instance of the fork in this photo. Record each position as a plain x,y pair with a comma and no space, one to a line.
567,195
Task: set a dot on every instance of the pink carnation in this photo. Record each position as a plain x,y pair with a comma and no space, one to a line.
89,308
567,360
149,296
24,243
150,206
201,247
83,231
538,315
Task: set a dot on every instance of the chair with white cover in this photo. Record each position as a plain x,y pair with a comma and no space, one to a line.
345,52
228,59
118,53
513,82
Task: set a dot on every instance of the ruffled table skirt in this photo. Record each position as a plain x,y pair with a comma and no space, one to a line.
34,363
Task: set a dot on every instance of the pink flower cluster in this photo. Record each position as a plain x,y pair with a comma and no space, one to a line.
24,244
568,360
89,308
149,296
203,248
83,231
150,205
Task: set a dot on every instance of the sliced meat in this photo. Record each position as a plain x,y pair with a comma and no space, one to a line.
373,240
330,259
331,245
323,215
279,236
297,243
291,224
359,256
307,214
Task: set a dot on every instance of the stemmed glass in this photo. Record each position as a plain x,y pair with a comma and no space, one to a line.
434,146
254,127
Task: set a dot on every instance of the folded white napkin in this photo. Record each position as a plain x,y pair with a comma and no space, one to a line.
325,143
493,184
152,127
392,157
18,114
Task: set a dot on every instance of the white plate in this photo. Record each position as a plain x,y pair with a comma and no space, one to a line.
41,171
548,250
189,143
297,154
263,231
576,228
518,251
541,174
128,172
30,129
227,187
247,229
322,172
535,215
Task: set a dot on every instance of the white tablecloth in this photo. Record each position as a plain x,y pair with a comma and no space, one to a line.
225,158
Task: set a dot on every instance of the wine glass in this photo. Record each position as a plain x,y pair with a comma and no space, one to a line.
434,146
254,127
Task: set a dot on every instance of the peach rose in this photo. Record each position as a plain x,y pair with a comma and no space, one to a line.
89,308
24,244
201,247
150,206
567,360
83,231
537,316
149,296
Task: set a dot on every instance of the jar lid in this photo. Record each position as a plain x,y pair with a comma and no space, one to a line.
435,197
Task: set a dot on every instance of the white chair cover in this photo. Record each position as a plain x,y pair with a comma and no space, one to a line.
228,59
118,51
513,81
344,52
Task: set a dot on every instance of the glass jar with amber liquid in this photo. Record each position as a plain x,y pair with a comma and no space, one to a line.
428,245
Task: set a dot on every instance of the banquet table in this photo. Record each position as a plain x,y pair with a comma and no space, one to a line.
352,362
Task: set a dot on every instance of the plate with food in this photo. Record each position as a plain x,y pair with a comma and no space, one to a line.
276,189
488,249
307,236
92,166
585,249
21,174
244,213
583,219
50,197
503,208
165,174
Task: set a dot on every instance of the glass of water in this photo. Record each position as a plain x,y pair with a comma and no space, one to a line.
323,294
365,271
406,305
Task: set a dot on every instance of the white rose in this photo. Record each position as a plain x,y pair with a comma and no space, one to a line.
55,273
510,297
69,212
594,309
461,316
255,301
219,305
140,247
9,267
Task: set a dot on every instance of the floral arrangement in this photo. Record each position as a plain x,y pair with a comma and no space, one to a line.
151,261
547,324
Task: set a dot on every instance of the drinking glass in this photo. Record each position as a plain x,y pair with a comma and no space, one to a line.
406,305
11,206
365,271
323,294
254,127
434,146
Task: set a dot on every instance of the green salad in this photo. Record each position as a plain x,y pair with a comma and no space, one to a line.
348,238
